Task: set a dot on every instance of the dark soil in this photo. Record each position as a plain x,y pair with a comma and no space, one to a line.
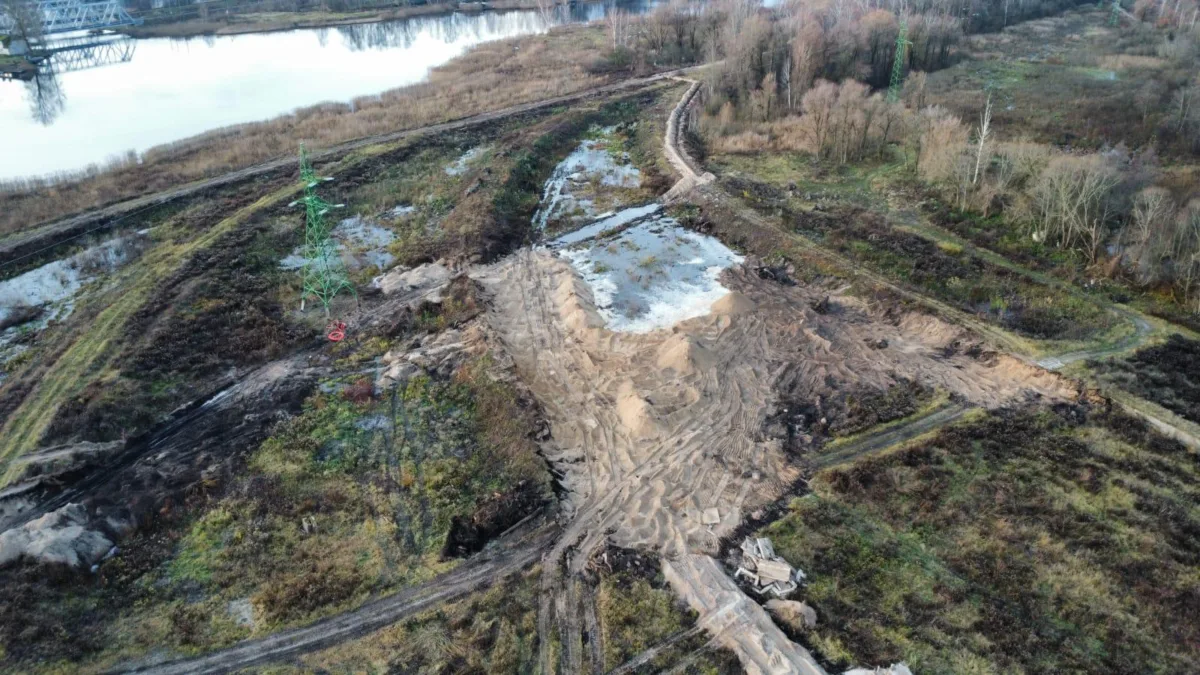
805,424
217,314
972,284
1168,374
975,523
493,518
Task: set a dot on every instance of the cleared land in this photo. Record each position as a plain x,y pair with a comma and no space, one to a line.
954,504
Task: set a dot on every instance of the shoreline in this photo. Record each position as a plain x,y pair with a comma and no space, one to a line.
245,24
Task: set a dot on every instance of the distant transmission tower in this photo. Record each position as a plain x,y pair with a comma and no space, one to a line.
1115,18
324,273
902,44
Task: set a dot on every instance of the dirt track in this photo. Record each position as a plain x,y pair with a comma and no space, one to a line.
27,243
505,558
653,432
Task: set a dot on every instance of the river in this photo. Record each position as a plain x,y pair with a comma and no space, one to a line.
135,94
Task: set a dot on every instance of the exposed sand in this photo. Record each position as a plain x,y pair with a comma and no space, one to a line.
649,430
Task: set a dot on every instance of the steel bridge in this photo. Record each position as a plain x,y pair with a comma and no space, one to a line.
63,16
67,56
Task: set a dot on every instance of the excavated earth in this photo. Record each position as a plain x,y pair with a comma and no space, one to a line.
658,437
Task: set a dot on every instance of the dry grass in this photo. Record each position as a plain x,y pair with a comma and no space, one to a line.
492,76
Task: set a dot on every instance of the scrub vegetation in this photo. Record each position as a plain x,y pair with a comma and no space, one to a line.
1167,374
1023,540
356,497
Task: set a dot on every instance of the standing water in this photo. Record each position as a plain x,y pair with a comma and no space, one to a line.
171,89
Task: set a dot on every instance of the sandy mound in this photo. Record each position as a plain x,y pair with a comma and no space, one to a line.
684,355
634,411
733,304
575,303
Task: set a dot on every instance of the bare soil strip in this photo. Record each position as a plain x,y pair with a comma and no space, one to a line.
505,558
19,245
892,437
649,655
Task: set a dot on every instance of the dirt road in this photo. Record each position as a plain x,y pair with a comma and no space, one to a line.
26,243
504,558
659,436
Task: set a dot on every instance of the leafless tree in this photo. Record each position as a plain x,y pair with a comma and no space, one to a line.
27,21
981,137
618,27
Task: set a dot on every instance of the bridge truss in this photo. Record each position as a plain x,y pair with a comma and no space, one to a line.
62,16
82,53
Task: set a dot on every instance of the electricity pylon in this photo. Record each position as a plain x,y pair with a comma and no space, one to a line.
1115,18
324,273
902,44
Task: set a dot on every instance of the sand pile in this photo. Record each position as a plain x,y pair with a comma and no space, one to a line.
684,354
634,411
733,304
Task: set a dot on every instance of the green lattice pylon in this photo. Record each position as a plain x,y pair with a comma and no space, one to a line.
1115,18
902,44
324,273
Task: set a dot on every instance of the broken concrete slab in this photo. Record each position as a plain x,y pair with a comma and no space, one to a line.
57,538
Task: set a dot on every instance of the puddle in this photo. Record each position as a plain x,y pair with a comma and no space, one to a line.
650,275
360,241
593,172
402,210
48,293
460,165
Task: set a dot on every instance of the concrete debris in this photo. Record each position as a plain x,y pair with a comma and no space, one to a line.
403,279
59,537
895,669
242,612
309,524
798,615
711,517
767,571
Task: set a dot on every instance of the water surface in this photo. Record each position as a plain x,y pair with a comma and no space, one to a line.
170,89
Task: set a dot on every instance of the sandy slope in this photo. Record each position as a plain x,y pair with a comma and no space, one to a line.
651,430
657,433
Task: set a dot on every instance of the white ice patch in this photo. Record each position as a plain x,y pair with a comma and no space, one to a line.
606,225
652,275
58,281
592,160
460,165
361,243
402,210
53,287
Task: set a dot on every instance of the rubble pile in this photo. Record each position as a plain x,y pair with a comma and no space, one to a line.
766,571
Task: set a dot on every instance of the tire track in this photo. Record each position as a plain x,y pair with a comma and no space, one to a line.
509,557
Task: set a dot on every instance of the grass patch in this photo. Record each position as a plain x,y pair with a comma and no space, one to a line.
1021,541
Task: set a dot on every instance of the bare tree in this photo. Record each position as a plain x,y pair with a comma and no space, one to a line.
985,128
618,27
27,21
1072,202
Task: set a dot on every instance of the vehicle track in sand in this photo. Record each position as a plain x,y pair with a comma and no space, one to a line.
650,431
655,433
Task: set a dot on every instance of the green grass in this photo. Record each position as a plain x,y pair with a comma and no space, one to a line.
635,615
1016,542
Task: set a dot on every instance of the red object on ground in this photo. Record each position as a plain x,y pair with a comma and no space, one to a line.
336,331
